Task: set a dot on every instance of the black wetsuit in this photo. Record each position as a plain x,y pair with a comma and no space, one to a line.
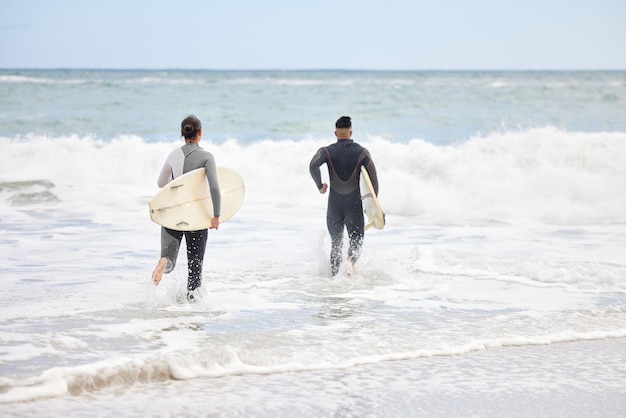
182,160
344,160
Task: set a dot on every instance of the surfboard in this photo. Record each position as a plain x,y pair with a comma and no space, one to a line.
185,204
371,205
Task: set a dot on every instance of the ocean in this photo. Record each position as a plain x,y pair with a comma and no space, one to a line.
497,287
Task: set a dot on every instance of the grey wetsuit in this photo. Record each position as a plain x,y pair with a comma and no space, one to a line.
182,160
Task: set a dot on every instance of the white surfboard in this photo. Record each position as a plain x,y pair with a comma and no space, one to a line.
371,205
185,204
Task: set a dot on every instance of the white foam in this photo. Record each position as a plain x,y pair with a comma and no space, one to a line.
544,174
453,271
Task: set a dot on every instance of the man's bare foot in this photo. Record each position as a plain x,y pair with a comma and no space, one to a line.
157,274
350,268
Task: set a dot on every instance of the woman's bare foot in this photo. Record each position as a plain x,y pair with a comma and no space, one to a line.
157,274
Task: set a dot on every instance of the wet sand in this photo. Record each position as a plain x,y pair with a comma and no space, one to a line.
577,379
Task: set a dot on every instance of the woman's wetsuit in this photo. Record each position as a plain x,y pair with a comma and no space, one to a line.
182,160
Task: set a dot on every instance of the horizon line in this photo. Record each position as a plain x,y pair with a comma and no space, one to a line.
309,69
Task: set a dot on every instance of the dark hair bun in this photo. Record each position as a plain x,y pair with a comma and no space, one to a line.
190,127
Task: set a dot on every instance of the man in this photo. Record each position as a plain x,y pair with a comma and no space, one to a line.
344,160
182,160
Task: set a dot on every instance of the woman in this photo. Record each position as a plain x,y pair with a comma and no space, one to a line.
182,160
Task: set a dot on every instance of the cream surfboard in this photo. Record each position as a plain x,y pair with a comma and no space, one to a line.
371,205
185,204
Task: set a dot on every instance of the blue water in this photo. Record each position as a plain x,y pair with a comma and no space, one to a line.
500,274
438,107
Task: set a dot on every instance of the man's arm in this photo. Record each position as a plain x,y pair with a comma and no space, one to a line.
314,168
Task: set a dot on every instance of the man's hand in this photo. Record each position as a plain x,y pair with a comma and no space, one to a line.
215,222
324,188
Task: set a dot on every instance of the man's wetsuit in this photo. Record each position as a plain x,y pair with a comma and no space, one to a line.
344,160
182,160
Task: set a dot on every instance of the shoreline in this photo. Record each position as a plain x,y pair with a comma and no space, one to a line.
582,379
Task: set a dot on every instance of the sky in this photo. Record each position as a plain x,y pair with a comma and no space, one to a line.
314,34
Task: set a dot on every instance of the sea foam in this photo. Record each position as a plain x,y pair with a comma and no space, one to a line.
545,175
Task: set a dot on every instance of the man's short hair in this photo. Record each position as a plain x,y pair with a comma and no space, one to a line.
343,122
